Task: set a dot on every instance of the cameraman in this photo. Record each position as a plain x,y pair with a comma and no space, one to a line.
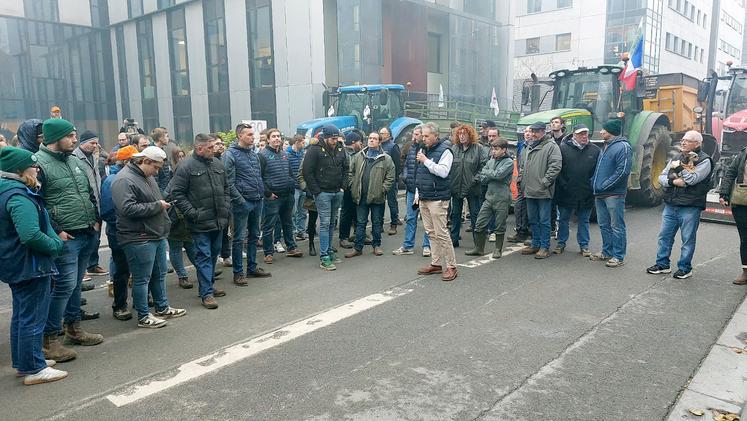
129,126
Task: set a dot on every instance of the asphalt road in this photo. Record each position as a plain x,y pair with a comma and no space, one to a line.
511,339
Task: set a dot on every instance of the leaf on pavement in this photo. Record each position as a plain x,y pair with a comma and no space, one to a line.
696,412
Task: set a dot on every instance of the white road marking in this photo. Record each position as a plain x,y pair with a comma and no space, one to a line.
479,261
243,350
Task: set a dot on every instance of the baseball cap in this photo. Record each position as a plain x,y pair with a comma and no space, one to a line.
352,137
154,153
578,128
329,131
538,125
488,123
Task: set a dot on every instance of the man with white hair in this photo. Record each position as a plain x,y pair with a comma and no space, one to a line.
686,182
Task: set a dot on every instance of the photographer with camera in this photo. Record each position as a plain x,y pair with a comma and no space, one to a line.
130,126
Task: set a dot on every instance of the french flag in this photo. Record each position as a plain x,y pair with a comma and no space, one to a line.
630,72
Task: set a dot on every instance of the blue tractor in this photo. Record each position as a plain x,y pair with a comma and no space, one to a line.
367,108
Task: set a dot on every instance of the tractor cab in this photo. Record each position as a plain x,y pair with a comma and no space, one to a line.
585,95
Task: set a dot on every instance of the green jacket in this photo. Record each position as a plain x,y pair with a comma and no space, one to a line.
540,166
381,177
464,169
68,197
497,174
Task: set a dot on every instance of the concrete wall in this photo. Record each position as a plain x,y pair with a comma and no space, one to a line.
11,8
76,12
117,11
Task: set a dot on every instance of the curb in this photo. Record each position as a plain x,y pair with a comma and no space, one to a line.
720,383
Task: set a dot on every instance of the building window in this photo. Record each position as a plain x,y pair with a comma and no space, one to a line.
434,52
147,74
534,6
124,92
532,45
134,8
563,42
261,61
163,4
217,65
562,4
705,20
180,91
731,21
45,10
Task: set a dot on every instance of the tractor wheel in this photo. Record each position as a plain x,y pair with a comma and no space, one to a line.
655,156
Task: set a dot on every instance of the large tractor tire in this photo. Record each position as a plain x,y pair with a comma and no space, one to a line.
656,149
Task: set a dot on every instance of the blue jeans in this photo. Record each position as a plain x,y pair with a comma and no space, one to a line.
611,219
411,224
120,274
147,261
538,212
457,204
582,231
30,308
328,205
278,211
207,248
391,198
299,213
686,219
177,258
65,298
377,223
93,261
245,223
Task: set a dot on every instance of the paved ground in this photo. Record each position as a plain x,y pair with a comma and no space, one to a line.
516,338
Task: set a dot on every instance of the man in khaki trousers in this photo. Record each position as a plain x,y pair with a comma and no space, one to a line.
432,195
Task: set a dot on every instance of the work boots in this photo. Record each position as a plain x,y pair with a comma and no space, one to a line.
312,247
479,250
53,350
741,279
76,336
498,246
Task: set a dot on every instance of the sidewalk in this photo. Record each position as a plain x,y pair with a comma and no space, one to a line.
720,384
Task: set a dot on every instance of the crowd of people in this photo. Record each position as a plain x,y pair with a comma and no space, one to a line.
218,203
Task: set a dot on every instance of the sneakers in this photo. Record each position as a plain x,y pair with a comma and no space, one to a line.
209,303
48,374
585,252
656,269
151,322
614,263
326,264
403,251
491,237
426,252
228,262
171,313
558,249
378,251
333,257
392,230
300,236
681,274
279,247
122,314
268,259
599,257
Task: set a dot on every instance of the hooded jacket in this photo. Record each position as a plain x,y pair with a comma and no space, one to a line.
28,131
140,216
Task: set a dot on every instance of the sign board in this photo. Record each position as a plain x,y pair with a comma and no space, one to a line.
257,125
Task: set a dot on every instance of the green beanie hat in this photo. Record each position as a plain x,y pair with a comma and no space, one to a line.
613,127
55,129
15,160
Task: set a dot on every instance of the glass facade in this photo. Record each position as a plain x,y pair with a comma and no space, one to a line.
623,20
148,87
180,92
360,49
261,61
473,72
217,65
48,63
124,90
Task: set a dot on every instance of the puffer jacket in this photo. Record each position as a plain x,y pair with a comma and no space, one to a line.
380,179
613,168
573,185
541,165
140,216
325,168
466,166
200,191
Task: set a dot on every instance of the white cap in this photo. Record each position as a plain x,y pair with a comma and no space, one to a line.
154,153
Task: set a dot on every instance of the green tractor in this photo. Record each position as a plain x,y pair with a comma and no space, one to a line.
593,96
